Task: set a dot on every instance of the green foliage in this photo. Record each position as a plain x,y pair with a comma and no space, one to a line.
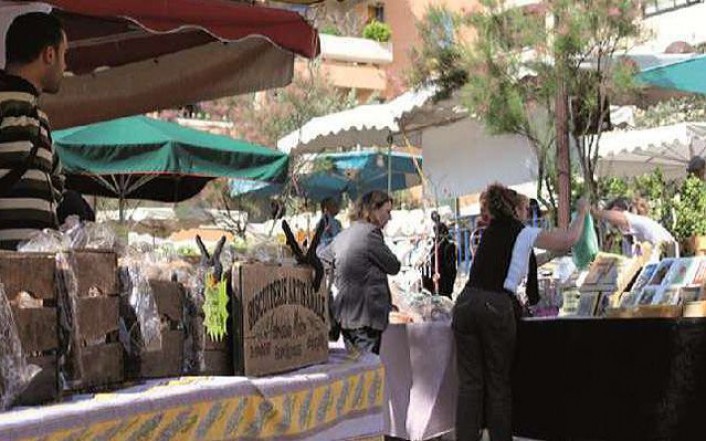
330,30
517,62
676,110
377,31
690,209
441,57
653,187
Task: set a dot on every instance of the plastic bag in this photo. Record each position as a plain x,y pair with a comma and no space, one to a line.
140,325
45,241
195,341
586,249
71,362
15,373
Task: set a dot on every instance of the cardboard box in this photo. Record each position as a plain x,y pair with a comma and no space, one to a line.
280,321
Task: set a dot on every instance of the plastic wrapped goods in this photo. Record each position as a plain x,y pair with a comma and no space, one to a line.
140,324
15,372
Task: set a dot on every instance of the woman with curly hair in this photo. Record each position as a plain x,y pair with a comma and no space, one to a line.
485,315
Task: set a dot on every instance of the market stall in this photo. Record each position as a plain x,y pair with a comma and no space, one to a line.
342,399
625,359
263,319
611,379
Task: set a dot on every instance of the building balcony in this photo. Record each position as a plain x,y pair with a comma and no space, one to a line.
355,50
355,63
655,7
522,3
671,21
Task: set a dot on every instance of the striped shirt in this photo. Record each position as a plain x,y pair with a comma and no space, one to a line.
30,204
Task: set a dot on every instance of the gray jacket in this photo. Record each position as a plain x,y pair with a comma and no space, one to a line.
361,262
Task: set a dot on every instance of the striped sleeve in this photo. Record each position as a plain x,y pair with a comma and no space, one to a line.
30,204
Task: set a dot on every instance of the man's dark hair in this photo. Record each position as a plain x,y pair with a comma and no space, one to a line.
620,203
29,34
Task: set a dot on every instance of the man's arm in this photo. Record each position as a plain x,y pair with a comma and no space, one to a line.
57,178
613,217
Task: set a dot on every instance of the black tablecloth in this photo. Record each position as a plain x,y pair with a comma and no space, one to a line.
637,379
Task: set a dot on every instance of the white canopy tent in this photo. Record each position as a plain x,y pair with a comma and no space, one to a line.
462,158
368,125
635,152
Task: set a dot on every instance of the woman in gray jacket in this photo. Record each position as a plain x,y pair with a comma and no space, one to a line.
361,262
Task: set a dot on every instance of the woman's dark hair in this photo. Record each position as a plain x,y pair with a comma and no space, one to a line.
368,203
29,34
500,201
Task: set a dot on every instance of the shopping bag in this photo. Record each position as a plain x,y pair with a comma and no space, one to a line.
586,249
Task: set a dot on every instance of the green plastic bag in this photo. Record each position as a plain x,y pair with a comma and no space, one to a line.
586,249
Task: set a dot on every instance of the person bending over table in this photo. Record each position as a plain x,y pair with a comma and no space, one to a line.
484,317
629,217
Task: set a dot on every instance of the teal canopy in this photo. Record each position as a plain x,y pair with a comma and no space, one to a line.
144,158
687,75
353,173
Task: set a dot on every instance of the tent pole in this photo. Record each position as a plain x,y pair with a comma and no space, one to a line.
121,200
389,164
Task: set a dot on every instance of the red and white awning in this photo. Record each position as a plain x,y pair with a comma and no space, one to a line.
133,56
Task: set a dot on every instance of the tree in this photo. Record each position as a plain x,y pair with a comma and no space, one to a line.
519,63
519,60
440,57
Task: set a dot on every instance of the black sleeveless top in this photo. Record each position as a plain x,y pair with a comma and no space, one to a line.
492,259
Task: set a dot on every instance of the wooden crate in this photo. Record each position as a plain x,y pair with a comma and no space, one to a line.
218,357
36,326
280,322
695,309
97,318
30,272
167,362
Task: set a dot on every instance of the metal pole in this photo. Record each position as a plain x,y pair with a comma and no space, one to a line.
563,161
389,163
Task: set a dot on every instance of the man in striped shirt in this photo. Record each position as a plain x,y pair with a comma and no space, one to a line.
31,182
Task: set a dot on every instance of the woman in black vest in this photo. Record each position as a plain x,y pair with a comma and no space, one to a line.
485,315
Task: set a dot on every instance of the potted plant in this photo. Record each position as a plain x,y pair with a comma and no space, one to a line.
690,214
377,31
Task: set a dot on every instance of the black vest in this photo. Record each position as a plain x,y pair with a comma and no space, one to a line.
492,259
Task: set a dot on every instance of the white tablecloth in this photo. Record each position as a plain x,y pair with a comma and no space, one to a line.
421,382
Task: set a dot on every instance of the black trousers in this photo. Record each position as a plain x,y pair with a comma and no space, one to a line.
485,329
363,339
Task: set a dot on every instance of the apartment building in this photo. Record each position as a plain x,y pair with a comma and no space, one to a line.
368,66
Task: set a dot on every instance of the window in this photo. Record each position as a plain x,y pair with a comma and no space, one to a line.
654,7
376,12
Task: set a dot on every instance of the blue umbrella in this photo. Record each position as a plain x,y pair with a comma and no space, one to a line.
687,75
353,173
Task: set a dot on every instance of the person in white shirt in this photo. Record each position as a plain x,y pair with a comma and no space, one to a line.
627,216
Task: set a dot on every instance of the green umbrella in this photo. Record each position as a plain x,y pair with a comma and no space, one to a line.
687,75
144,158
